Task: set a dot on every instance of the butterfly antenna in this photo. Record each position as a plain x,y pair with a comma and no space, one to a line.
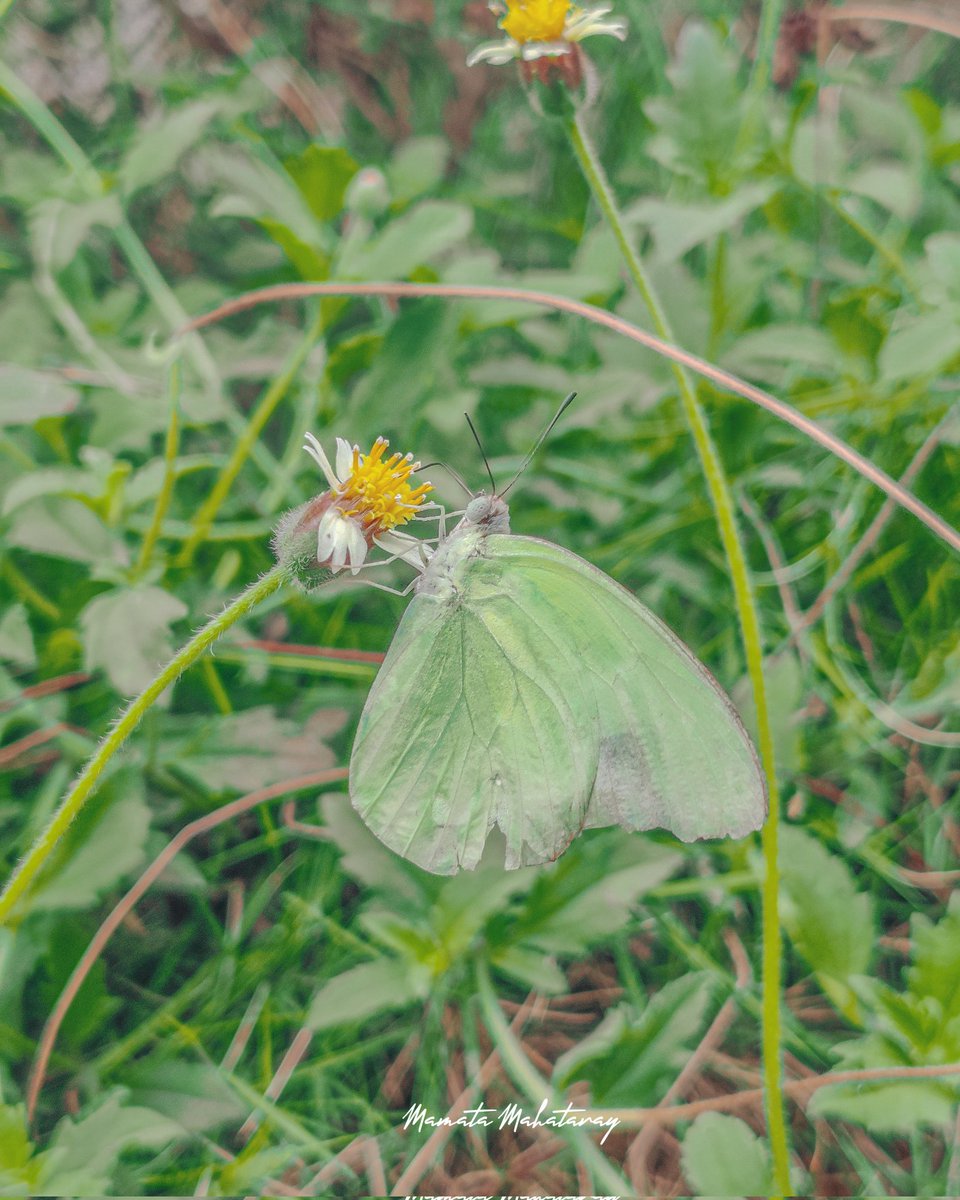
476,438
451,472
539,442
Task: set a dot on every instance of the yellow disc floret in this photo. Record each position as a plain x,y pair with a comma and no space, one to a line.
377,491
535,20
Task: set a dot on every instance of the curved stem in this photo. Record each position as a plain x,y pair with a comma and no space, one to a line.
722,501
91,774
725,380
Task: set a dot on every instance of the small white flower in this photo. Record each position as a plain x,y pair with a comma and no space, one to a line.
544,28
369,497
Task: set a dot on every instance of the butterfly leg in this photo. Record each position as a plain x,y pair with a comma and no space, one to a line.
382,587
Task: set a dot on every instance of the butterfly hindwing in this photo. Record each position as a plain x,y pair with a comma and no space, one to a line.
671,749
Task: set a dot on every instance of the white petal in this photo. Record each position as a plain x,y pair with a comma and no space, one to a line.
344,459
327,533
315,450
498,54
533,50
356,546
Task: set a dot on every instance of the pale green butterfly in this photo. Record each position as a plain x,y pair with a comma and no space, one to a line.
525,689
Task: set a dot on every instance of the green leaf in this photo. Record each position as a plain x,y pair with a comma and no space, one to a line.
103,846
156,149
126,633
194,1094
934,974
785,684
420,237
19,1170
699,123
676,227
252,748
58,228
16,637
722,1156
632,1059
322,174
365,991
26,395
588,894
922,346
82,1155
65,529
416,167
829,922
886,1107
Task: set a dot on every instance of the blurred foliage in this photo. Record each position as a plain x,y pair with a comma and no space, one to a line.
159,159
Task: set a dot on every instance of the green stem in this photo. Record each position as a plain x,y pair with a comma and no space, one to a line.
171,446
206,513
89,778
722,501
538,1089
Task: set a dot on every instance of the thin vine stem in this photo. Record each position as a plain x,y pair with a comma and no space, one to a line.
722,500
725,380
165,495
92,773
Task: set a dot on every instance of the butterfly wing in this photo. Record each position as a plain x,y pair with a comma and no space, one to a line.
671,750
460,733
540,696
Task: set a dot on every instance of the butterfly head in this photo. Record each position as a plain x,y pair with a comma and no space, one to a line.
490,513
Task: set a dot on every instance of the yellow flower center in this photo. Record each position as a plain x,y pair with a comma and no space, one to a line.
377,492
535,20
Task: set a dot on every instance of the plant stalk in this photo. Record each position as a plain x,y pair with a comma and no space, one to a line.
722,501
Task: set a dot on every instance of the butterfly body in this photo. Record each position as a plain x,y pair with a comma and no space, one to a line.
527,690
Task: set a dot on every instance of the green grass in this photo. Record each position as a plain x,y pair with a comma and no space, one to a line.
797,232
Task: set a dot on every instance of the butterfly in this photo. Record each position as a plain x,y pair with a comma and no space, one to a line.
527,690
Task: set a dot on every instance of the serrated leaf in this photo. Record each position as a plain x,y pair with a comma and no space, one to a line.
82,1155
365,857
26,395
935,971
18,1168
828,920
632,1059
699,123
126,633
722,1156
365,991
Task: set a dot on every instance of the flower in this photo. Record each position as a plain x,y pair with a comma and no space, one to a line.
369,497
544,29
